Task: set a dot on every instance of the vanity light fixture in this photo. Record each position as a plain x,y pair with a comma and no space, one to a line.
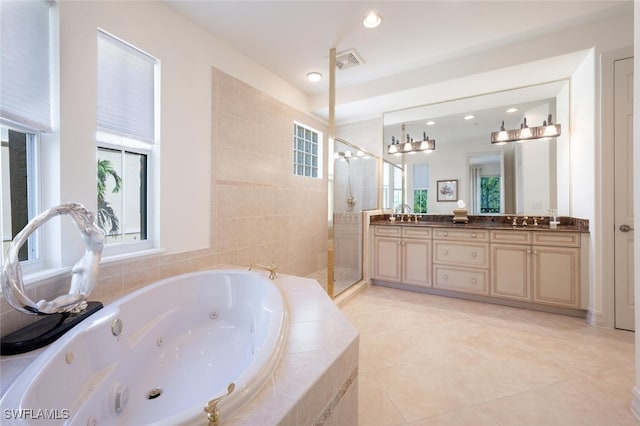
430,123
469,117
512,110
314,76
524,133
548,129
500,137
372,20
410,146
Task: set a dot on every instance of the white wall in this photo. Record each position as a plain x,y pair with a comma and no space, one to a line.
367,135
636,201
186,53
534,168
583,148
563,150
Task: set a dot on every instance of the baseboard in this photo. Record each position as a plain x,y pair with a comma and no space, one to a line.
598,319
579,313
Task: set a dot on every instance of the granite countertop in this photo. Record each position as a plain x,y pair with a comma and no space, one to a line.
567,224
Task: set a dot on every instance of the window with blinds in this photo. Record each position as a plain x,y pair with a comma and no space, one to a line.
25,112
126,90
25,83
126,119
420,187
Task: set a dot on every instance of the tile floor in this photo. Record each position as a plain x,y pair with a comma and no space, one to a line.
430,360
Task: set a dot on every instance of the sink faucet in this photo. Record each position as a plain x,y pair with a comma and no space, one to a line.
403,208
272,268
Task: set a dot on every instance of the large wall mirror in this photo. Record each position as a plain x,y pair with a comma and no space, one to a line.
527,178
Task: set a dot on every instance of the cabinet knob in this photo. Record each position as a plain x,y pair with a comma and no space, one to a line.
445,233
445,277
473,280
473,235
445,252
474,254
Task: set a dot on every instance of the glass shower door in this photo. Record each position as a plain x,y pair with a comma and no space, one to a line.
355,190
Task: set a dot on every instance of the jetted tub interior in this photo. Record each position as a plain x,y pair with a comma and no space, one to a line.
158,355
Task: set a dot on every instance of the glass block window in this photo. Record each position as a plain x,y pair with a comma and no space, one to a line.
307,151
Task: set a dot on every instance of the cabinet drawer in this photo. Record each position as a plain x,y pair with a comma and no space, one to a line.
511,237
388,231
460,279
475,255
564,239
461,234
415,232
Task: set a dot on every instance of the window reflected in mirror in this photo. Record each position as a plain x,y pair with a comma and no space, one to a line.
514,178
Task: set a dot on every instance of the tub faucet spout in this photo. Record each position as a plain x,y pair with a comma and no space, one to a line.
213,414
272,268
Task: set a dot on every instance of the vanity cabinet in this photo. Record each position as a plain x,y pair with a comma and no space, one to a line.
541,267
533,268
461,260
402,255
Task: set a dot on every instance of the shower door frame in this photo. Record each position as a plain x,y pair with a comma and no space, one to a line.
330,209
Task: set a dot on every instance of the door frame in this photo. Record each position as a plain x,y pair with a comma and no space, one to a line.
602,310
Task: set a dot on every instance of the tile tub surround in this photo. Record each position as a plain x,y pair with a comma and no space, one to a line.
316,381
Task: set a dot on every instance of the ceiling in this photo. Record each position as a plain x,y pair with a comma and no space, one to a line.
292,38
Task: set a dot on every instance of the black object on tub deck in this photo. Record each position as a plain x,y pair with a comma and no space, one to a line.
44,331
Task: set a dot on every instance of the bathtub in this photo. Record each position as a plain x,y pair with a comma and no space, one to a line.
158,355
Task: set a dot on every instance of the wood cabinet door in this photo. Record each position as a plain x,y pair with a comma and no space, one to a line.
416,262
387,259
556,275
511,271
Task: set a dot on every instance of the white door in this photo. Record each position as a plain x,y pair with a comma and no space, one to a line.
623,146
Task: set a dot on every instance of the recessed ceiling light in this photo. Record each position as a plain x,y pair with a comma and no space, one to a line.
510,110
314,76
469,117
430,123
372,20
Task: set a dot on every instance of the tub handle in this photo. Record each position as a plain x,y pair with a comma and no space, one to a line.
213,414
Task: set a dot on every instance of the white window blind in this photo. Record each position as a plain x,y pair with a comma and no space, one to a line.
24,67
421,176
125,89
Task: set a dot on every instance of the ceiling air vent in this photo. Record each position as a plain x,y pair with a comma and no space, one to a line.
348,59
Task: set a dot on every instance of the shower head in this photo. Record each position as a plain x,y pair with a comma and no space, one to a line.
345,154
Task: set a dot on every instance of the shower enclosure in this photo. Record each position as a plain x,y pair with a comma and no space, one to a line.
355,188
